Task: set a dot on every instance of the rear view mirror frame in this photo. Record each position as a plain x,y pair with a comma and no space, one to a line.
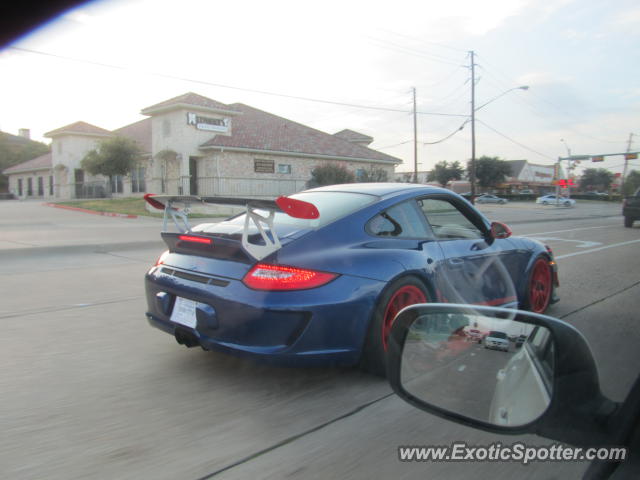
577,413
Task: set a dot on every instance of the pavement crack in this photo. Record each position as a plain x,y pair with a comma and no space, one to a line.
293,438
66,307
595,302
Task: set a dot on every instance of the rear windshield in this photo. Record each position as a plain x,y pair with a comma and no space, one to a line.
331,205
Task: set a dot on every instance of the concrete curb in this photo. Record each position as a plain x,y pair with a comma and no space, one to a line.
157,245
93,212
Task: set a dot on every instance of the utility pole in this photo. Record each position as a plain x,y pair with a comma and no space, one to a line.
472,170
415,139
626,163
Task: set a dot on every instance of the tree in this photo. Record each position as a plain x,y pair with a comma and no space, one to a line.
12,153
374,175
329,174
114,156
490,171
596,179
443,173
631,183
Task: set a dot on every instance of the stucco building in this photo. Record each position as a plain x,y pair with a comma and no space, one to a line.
195,145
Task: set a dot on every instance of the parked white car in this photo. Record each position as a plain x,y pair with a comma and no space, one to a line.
551,200
497,341
488,198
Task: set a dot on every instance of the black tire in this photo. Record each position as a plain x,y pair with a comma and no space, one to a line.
628,222
374,355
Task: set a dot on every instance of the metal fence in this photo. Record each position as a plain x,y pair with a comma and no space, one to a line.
233,187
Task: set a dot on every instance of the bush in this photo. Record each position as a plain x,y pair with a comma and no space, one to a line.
329,174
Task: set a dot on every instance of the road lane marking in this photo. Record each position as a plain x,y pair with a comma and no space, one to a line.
613,245
581,243
562,231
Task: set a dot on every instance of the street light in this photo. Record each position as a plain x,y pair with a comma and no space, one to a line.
472,173
521,87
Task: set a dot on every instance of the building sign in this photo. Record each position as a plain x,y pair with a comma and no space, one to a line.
263,166
542,174
207,123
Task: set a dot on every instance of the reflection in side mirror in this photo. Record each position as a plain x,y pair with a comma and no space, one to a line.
499,230
494,381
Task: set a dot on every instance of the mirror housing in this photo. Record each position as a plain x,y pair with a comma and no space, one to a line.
499,230
578,413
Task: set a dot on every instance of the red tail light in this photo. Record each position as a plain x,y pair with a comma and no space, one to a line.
162,258
194,239
278,277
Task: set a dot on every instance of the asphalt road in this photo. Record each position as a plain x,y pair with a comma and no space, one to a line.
89,390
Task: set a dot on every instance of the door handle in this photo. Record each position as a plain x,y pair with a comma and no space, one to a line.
456,261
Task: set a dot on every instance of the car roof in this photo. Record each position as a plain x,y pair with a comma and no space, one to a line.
379,189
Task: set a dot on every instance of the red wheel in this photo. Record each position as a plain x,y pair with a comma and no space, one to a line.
403,297
401,293
540,286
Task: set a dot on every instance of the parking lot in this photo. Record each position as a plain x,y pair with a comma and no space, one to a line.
89,390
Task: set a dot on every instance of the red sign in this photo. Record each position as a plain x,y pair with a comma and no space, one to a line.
615,185
617,175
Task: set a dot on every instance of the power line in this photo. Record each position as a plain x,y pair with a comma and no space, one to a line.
231,87
510,81
442,45
448,136
414,51
394,145
515,141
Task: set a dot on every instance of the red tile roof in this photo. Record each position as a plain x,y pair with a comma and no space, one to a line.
138,131
82,128
187,99
39,163
353,136
258,130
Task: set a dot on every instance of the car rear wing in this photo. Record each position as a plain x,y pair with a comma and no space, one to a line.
178,208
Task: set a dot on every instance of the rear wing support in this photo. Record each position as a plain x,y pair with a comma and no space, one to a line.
265,224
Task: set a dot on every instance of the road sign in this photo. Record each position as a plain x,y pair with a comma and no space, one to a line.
631,156
598,158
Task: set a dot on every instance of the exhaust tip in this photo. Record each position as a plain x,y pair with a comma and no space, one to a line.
187,339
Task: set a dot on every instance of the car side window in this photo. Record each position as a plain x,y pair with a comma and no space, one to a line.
400,221
447,222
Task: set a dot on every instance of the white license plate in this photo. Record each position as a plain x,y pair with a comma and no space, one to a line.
184,312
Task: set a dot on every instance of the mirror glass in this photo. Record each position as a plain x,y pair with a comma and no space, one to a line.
496,370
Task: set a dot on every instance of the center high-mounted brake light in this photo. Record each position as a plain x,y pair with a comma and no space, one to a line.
194,239
279,277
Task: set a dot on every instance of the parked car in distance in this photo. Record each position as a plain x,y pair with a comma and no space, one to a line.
497,341
488,198
526,192
551,200
597,195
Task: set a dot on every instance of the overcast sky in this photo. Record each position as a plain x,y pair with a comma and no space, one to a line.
106,61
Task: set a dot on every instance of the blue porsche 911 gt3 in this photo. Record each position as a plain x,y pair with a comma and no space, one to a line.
319,276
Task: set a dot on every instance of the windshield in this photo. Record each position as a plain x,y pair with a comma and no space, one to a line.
501,335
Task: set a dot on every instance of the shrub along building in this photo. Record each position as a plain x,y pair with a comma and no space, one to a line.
195,145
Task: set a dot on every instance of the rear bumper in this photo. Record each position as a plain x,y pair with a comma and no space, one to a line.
322,326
